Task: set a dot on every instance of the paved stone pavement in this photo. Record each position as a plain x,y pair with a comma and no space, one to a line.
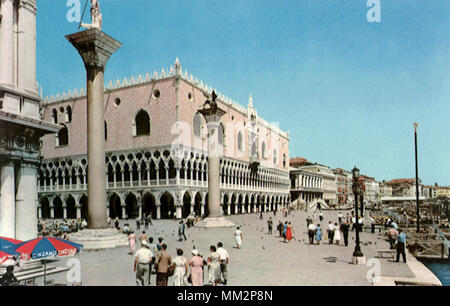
263,260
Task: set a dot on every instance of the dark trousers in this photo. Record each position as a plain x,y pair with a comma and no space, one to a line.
345,234
401,250
311,237
392,242
331,236
373,228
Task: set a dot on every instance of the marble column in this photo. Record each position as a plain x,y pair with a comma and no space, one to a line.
26,202
95,48
6,45
7,201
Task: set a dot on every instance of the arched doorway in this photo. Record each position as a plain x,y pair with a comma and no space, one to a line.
206,206
225,204
198,204
233,204
167,206
131,206
58,208
71,209
149,205
45,208
115,207
186,205
240,204
84,207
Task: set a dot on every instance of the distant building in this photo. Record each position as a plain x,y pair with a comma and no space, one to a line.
343,185
305,185
328,181
371,189
443,191
404,187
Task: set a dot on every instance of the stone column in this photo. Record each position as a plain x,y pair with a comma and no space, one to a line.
179,212
26,202
78,207
158,210
6,45
7,200
124,212
95,48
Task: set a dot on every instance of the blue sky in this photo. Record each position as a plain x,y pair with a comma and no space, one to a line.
348,90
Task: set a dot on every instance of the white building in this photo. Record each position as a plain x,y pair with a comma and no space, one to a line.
328,181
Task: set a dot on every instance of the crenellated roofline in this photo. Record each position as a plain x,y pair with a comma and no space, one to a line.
174,71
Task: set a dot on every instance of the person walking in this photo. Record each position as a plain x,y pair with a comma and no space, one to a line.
311,232
138,224
340,217
344,229
392,235
318,233
132,242
180,266
116,223
285,230
142,264
372,224
401,242
196,264
269,225
330,232
213,266
238,237
154,250
181,231
163,262
143,237
321,216
337,233
145,222
159,244
223,258
280,228
289,232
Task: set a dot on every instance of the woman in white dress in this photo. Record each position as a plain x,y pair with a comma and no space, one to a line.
238,237
214,272
180,264
337,234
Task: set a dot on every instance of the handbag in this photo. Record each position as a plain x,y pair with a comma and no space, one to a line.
189,279
171,271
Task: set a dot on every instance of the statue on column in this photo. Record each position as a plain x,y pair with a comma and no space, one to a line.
96,17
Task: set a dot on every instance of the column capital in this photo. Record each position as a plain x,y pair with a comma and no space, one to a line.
94,46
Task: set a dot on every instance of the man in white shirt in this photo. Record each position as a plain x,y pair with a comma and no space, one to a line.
311,232
223,258
142,264
372,224
330,232
340,216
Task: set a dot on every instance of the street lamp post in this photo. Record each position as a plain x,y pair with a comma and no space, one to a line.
358,256
417,177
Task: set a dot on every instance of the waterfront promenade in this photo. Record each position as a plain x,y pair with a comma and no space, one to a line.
263,260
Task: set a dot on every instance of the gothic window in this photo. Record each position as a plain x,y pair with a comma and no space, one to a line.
275,157
142,124
263,150
198,125
69,114
254,149
221,134
240,140
63,137
284,160
55,116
